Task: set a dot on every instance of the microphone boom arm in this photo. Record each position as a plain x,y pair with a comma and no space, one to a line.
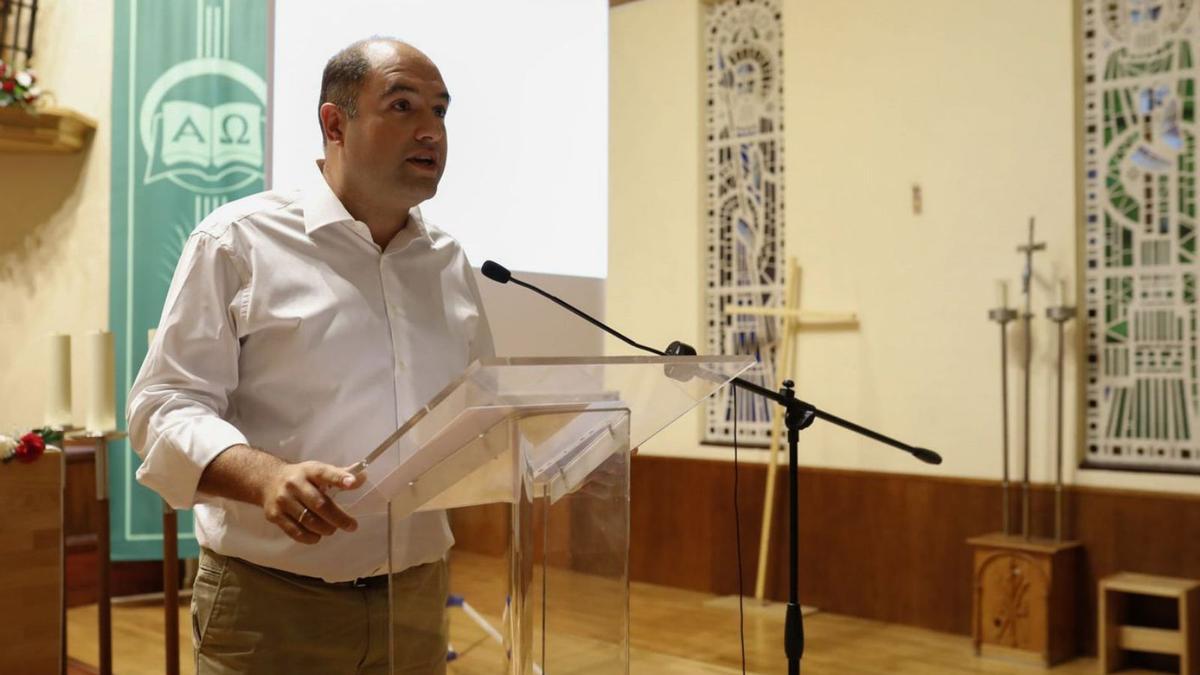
923,454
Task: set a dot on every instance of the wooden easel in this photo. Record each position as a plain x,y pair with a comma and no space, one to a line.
793,320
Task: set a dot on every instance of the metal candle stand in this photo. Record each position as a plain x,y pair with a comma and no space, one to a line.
1060,315
1002,316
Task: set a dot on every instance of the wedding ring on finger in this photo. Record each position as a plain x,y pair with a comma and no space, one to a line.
300,518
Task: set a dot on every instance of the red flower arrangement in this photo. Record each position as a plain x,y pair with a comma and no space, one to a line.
29,446
18,87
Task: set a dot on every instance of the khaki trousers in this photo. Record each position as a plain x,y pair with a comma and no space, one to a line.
252,619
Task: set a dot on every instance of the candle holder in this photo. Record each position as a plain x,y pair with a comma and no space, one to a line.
1003,316
1060,315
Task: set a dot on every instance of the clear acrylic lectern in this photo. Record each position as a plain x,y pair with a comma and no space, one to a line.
530,459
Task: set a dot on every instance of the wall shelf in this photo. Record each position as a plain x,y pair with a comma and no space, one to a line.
52,130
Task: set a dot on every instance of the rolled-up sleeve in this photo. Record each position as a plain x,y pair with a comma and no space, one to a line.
177,406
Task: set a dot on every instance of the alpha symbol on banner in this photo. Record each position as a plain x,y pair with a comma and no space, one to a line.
188,128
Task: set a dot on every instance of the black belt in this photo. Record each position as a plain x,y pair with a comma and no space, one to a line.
376,581
368,582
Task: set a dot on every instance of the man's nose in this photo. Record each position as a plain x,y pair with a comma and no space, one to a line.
431,129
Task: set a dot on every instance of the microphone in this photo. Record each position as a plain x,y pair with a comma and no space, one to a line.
926,455
500,274
495,271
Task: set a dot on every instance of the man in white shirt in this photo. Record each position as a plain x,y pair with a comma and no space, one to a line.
298,332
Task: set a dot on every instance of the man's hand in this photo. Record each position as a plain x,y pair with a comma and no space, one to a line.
294,497
295,500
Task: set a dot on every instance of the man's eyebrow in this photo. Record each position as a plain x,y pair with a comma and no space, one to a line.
397,87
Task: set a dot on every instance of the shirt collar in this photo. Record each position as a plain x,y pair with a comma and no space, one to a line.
322,207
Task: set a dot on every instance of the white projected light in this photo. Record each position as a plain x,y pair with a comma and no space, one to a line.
526,180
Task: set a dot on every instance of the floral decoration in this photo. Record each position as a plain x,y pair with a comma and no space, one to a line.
27,447
18,87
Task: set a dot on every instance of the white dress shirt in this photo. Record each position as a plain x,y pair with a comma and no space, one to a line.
287,328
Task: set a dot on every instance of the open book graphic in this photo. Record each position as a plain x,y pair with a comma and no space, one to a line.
211,137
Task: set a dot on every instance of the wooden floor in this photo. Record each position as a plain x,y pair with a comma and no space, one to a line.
671,631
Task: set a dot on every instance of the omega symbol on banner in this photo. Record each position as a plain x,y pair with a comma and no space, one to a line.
202,125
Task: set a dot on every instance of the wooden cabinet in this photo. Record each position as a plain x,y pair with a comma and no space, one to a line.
1025,598
31,576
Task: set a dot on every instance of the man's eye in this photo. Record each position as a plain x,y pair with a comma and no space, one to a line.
439,111
400,105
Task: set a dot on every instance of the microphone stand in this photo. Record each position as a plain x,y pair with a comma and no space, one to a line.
798,415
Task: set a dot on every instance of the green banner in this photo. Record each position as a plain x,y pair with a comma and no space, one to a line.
188,134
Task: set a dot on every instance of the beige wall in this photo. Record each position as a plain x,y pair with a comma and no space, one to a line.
654,275
972,100
54,220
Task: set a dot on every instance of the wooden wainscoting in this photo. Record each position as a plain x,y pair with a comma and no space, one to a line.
890,547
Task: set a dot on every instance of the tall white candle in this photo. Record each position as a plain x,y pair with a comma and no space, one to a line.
100,401
150,333
58,380
1062,292
1002,294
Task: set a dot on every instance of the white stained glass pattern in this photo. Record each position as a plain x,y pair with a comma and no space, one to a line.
743,44
1139,234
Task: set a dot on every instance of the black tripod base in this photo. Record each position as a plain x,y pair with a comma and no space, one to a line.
793,638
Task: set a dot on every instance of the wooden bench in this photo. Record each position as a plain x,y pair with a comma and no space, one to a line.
1116,636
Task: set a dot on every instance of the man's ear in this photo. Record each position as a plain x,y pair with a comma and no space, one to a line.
333,120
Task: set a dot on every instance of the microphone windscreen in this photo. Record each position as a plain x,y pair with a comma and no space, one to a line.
495,271
926,455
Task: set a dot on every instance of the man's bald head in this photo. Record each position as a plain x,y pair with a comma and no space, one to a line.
345,72
383,125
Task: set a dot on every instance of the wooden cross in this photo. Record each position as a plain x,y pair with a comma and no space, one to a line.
793,320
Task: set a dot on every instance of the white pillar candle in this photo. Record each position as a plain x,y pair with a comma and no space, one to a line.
150,333
1062,292
1002,294
58,380
100,401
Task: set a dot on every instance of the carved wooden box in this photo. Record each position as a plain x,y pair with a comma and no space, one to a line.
1025,598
